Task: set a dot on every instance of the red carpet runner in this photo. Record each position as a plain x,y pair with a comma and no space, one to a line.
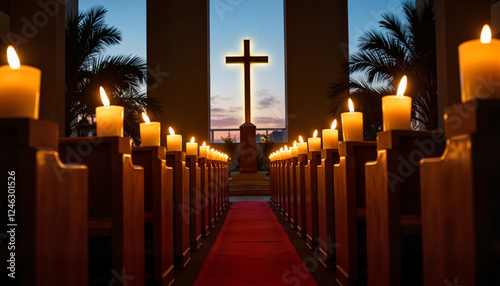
253,248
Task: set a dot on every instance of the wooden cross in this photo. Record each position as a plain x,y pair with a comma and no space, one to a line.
246,60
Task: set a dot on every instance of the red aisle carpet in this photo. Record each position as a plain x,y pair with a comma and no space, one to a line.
253,249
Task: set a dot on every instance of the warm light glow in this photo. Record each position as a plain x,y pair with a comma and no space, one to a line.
104,97
295,143
145,117
192,140
351,106
486,35
13,58
281,149
203,143
315,134
402,86
334,124
171,131
286,147
300,139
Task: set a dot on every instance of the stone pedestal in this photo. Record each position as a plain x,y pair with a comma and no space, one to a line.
248,152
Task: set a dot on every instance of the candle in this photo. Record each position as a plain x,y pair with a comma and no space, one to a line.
331,137
174,142
203,150
150,132
396,109
288,152
352,124
314,142
192,147
19,88
109,118
210,153
479,67
302,146
295,149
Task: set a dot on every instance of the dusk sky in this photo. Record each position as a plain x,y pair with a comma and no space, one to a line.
230,22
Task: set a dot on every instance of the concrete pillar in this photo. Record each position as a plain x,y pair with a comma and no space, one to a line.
457,21
37,32
316,41
178,56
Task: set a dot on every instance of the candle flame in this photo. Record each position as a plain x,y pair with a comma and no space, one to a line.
351,106
295,143
145,117
334,124
486,35
281,149
203,143
104,97
315,134
402,86
300,139
171,131
13,58
286,147
192,140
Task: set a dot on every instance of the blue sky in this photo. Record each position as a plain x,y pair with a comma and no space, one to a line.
231,22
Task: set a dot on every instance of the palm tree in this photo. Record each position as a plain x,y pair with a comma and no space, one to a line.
123,77
401,47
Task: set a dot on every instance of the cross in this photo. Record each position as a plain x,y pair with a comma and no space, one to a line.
246,60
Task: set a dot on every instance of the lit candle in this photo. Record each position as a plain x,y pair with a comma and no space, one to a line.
352,124
19,88
295,149
331,137
109,118
174,141
314,142
282,154
192,147
302,146
210,153
203,150
396,109
479,67
150,132
288,152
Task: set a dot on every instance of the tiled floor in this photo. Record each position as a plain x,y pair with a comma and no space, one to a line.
248,198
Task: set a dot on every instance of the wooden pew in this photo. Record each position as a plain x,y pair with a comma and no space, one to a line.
195,201
292,183
43,206
211,191
115,207
301,195
461,199
393,221
205,195
350,217
311,177
158,214
326,213
177,161
286,191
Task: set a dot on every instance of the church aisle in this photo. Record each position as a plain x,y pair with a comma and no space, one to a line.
253,248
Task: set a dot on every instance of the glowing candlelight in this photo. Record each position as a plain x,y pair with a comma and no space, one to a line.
302,146
192,147
396,109
314,142
174,141
352,124
331,137
109,118
150,132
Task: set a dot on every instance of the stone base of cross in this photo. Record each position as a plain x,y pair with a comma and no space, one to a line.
248,150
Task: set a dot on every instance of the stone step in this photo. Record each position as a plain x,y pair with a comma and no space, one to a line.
258,182
249,192
249,187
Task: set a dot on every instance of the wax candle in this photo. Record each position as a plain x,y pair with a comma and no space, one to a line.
396,109
479,67
288,152
210,153
174,141
203,150
331,137
302,146
295,149
352,124
150,132
19,88
192,147
314,142
109,118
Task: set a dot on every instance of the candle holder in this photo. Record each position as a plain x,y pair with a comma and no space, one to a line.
393,204
177,161
350,212
195,199
326,216
115,204
301,195
465,180
311,171
204,205
40,196
158,212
